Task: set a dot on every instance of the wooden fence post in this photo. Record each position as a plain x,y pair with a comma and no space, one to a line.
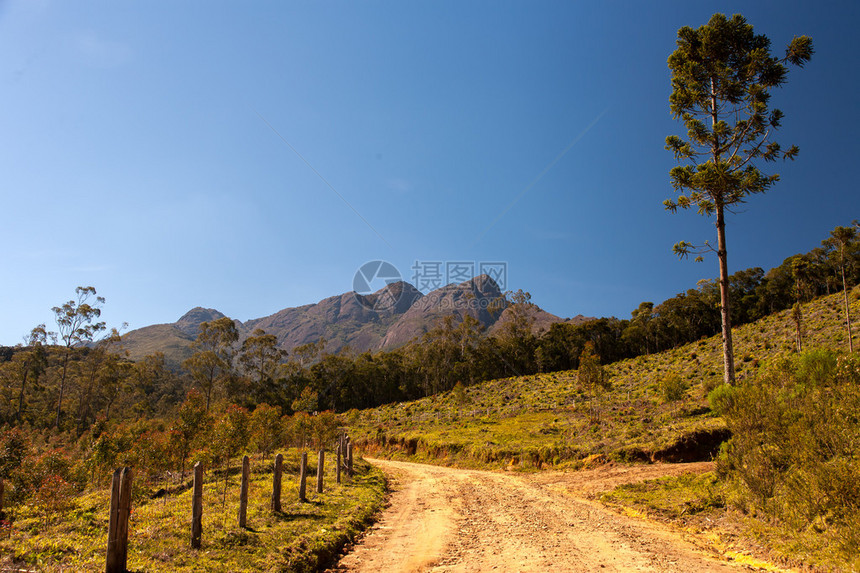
243,494
276,483
120,508
124,513
339,446
197,507
303,475
113,516
320,469
349,460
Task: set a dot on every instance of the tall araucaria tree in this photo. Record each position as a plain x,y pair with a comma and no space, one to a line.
722,74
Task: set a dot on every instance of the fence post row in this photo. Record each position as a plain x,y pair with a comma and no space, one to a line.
276,483
120,509
197,507
243,494
120,499
303,474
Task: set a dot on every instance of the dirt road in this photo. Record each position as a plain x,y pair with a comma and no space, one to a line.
443,519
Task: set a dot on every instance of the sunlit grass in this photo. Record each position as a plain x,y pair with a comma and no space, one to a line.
299,538
703,506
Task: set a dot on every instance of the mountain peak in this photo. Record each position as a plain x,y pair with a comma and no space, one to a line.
485,285
397,297
190,322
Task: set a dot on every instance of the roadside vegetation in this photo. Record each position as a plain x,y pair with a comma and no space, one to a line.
785,484
55,512
70,532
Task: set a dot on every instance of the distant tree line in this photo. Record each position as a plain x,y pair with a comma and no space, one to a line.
71,382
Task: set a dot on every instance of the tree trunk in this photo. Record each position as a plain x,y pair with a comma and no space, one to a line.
845,296
725,309
797,316
62,387
209,394
23,387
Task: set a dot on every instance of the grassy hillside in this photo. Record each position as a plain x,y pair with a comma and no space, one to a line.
166,338
545,419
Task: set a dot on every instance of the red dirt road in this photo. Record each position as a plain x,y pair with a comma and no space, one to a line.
446,520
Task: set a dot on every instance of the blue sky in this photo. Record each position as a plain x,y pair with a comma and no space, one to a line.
136,153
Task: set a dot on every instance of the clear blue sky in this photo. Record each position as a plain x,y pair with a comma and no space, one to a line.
133,157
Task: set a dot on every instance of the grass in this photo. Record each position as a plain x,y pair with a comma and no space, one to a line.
164,338
543,420
705,508
303,537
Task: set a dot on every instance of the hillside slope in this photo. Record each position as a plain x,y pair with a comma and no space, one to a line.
546,419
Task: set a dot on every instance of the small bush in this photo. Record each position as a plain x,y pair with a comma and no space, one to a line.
672,387
54,498
721,398
709,384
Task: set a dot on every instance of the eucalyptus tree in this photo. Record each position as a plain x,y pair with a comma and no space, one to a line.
722,74
154,385
32,363
638,335
212,361
516,333
260,359
75,327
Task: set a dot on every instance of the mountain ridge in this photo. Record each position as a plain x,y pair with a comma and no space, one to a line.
384,320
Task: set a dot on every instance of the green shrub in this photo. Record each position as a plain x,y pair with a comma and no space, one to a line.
816,367
672,387
795,452
721,398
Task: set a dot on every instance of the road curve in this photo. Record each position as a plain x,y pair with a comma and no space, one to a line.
452,520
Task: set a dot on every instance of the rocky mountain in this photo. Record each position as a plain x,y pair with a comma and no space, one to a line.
190,322
358,321
480,298
387,319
